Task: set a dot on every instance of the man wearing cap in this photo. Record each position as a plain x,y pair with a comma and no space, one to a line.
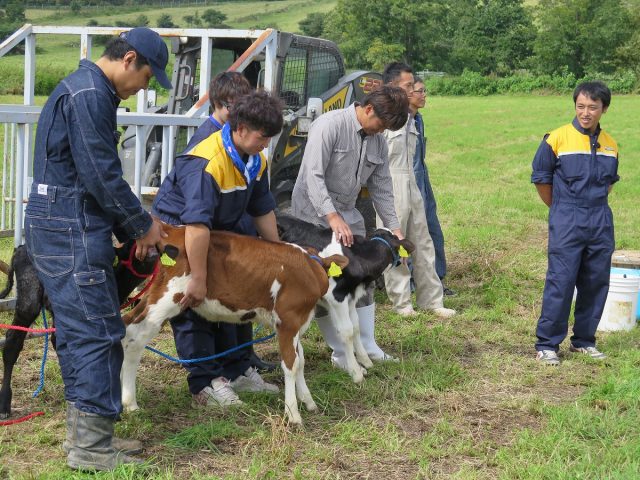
78,198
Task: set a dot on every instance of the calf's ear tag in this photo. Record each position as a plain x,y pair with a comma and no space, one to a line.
167,261
334,270
402,252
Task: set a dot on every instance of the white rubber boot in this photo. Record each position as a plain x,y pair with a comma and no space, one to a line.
338,357
366,317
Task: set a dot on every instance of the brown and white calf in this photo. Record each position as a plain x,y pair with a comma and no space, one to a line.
249,280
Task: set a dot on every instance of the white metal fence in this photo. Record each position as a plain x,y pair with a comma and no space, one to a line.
17,121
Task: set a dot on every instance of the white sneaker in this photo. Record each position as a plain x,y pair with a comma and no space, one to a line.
593,352
251,381
406,311
218,394
548,357
444,312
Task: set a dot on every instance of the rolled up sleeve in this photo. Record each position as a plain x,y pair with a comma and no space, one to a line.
544,163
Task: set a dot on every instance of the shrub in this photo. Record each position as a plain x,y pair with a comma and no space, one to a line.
473,83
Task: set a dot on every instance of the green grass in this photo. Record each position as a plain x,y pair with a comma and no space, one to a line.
467,401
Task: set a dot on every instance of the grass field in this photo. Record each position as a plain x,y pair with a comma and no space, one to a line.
467,400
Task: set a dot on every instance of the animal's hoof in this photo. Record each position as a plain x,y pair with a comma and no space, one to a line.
311,406
4,416
130,408
367,364
295,421
357,378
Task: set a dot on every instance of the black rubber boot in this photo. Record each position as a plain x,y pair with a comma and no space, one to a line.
92,448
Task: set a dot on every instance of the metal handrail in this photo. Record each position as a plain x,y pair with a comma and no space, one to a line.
22,118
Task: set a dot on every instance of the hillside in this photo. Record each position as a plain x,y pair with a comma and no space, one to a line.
59,54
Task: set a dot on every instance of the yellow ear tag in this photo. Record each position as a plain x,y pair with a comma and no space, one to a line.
334,270
402,252
115,261
167,261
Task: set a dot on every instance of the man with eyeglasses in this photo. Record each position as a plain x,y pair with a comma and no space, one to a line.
417,101
410,210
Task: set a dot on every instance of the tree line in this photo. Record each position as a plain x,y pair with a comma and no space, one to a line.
490,37
500,39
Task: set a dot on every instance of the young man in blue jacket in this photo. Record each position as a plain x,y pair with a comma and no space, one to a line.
77,199
216,181
210,382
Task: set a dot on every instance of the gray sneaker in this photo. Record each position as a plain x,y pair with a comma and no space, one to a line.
251,381
548,357
219,394
593,352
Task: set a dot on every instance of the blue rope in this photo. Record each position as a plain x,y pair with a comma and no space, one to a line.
212,357
44,355
164,355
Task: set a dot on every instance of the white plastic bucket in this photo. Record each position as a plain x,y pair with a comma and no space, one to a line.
622,301
629,272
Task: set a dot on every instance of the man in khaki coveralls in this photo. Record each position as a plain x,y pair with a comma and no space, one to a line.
409,207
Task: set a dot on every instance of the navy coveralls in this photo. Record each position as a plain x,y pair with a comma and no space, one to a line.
431,209
205,187
77,199
581,168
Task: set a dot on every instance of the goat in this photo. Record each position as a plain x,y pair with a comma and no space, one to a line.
248,279
31,298
368,260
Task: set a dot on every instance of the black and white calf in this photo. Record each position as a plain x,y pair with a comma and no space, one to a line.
368,258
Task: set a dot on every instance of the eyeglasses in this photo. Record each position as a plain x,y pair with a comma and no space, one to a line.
420,91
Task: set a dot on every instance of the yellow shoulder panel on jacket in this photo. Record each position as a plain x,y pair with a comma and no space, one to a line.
207,147
608,145
567,140
220,166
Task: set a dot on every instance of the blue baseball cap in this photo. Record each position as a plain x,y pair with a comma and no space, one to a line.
152,47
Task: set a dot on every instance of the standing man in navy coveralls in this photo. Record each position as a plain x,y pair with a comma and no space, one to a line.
574,170
417,101
78,198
